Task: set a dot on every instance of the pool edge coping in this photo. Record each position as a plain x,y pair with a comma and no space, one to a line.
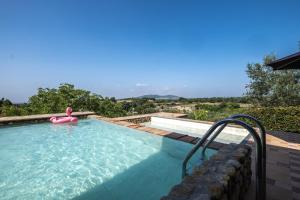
39,118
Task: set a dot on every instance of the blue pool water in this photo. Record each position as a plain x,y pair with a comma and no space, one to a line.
91,160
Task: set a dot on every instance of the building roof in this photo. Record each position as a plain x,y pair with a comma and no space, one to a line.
288,62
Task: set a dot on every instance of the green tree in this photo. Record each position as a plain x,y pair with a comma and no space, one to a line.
47,101
56,100
5,102
272,88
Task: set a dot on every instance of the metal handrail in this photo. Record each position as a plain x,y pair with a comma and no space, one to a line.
216,133
262,138
259,151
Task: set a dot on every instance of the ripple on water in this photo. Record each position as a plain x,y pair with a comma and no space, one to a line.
46,161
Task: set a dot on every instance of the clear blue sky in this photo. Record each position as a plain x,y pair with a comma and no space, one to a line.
130,48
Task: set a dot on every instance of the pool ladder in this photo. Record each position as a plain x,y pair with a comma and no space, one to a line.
259,139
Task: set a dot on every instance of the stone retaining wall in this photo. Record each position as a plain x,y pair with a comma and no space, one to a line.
225,176
139,120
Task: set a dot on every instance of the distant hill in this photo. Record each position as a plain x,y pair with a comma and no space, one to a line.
153,96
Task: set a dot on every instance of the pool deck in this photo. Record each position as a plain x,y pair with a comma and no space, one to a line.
283,167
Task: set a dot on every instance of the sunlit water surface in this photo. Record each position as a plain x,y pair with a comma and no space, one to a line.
91,160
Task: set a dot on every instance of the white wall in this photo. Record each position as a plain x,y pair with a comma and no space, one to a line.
181,124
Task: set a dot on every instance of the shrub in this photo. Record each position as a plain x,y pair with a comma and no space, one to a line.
12,110
278,118
218,107
171,110
5,102
200,114
232,105
207,107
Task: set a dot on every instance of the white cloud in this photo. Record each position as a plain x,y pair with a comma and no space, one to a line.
141,85
166,88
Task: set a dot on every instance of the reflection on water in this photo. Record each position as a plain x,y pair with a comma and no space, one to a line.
64,127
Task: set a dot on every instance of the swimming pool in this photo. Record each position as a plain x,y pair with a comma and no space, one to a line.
90,160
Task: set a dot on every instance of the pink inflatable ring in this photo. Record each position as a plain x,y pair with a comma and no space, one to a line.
67,119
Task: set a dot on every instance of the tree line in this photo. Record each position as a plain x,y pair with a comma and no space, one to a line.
55,100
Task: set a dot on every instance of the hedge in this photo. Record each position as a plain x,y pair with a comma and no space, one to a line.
278,118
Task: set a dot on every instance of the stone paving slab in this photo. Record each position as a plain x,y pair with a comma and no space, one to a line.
283,167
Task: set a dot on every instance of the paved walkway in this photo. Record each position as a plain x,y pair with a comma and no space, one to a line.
283,167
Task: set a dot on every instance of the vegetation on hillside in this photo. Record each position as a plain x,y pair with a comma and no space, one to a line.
215,112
